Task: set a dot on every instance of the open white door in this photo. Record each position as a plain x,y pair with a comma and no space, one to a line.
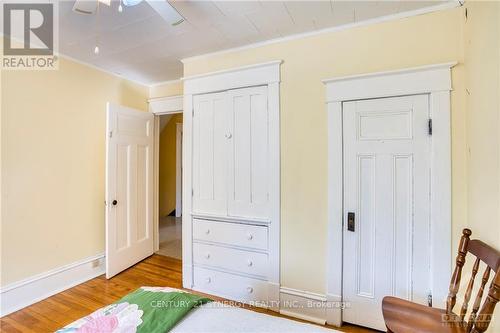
129,187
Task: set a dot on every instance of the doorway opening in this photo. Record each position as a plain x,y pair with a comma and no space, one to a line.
170,186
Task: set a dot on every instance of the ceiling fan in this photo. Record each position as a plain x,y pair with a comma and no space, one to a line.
162,7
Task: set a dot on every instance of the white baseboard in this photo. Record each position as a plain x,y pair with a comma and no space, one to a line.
274,296
303,305
18,295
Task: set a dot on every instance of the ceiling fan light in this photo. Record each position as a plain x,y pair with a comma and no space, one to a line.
130,3
166,11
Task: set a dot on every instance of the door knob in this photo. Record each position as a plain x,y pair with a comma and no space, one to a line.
114,202
229,135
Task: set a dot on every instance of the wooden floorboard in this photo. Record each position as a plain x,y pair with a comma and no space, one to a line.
61,309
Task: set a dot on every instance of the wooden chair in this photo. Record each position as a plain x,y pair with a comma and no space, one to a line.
402,316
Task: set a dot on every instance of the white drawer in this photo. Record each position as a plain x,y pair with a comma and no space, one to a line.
236,234
230,286
231,259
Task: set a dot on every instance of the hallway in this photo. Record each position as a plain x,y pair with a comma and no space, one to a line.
171,237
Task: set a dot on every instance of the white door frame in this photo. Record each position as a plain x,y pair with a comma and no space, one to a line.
434,80
178,170
159,107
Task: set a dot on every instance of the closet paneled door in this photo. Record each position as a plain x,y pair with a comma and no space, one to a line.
231,153
210,130
248,153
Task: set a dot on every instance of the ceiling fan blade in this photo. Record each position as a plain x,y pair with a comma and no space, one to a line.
88,6
85,6
166,11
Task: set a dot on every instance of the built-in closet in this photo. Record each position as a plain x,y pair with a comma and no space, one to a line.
231,234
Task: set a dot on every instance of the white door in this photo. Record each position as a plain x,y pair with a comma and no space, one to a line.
248,184
386,205
210,133
129,187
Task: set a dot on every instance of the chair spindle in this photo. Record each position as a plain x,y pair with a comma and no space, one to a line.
484,318
477,301
468,292
457,273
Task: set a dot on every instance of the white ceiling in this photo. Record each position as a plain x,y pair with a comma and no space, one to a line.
139,45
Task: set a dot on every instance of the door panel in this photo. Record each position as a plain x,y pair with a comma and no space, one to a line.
129,188
210,154
248,153
386,186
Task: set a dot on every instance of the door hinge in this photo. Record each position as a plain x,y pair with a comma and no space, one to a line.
110,134
429,299
192,192
429,126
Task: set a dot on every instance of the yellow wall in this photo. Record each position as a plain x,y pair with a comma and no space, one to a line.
172,88
482,80
482,58
167,166
53,164
415,41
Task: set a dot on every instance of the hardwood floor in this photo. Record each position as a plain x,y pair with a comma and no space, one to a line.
63,308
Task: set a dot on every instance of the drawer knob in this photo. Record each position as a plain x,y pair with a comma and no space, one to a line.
249,290
207,231
208,280
249,236
249,263
207,255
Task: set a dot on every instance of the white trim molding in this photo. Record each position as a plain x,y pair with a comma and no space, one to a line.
178,169
303,305
246,76
434,80
20,294
410,81
166,105
161,106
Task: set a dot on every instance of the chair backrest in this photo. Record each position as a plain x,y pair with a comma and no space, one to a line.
480,316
